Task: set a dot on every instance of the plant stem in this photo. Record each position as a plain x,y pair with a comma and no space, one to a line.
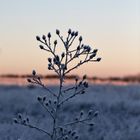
57,106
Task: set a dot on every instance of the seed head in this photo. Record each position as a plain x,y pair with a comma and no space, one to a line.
54,60
80,83
33,72
50,101
85,47
41,47
39,99
76,33
84,77
78,48
95,50
98,59
91,124
63,55
44,98
24,121
49,60
49,66
73,33
38,78
57,32
49,35
80,38
96,113
57,58
76,119
73,133
46,104
15,120
69,31
55,102
83,92
37,38
76,79
85,84
88,49
66,137
90,112
27,119
63,66
76,137
19,116
92,55
44,37
69,132
81,113
55,42
29,80
61,129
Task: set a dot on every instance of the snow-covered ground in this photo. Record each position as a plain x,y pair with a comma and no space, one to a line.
119,117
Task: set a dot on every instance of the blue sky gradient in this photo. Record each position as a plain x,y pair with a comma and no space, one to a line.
112,26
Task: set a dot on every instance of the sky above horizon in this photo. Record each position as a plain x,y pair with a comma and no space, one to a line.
111,26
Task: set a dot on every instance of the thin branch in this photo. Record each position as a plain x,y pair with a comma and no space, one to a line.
39,129
72,51
47,110
75,55
72,123
70,38
79,64
47,89
62,39
68,89
57,71
45,43
77,93
35,81
72,41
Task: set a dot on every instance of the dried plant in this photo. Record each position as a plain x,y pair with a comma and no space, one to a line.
61,65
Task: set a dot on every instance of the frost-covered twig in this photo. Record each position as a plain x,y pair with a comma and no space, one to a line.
25,122
60,63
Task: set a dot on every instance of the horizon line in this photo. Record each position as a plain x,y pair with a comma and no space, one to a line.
129,78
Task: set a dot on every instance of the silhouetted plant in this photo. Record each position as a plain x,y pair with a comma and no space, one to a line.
61,65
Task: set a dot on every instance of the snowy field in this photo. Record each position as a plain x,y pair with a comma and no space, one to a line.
118,106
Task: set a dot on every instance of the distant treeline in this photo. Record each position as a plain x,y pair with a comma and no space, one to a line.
41,76
135,78
118,79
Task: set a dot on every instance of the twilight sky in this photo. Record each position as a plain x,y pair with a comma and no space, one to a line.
112,26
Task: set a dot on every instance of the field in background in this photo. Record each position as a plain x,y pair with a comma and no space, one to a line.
119,107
